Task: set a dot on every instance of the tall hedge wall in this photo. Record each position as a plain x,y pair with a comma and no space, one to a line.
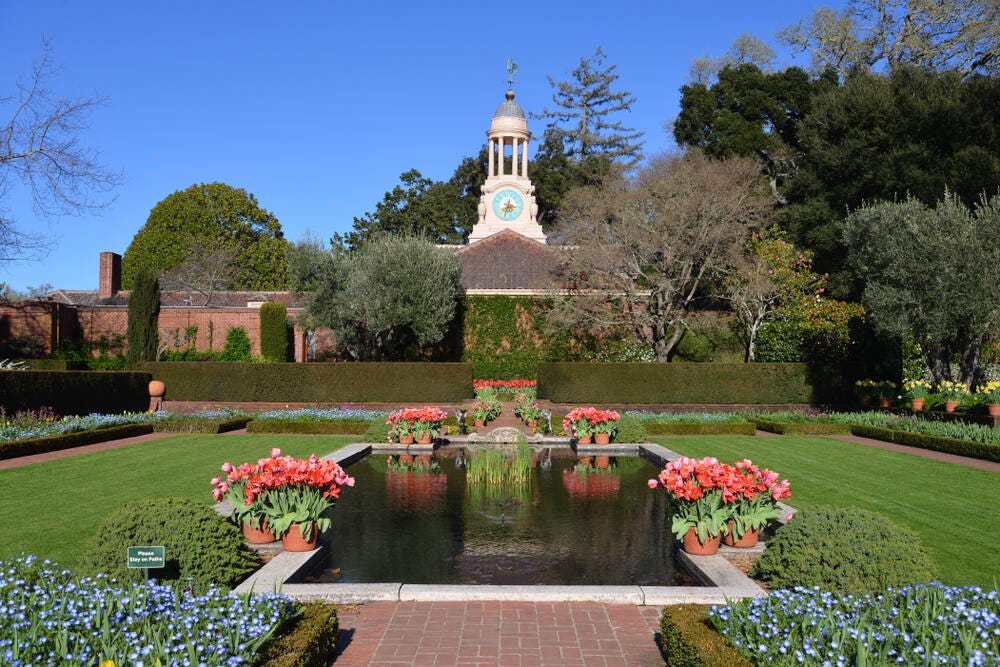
75,392
404,382
675,383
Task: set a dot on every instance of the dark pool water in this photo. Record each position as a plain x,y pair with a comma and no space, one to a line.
563,527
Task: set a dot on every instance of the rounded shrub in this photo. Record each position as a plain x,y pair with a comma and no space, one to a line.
843,550
199,544
630,429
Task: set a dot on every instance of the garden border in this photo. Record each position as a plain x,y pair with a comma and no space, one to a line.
724,581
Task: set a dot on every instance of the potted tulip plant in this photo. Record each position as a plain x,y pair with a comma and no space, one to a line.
399,428
576,424
424,424
248,513
695,488
294,495
752,500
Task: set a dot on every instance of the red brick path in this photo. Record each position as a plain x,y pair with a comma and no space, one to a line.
480,634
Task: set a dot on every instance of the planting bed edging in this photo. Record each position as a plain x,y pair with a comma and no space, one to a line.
724,581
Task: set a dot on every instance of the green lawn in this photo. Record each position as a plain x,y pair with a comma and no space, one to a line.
52,509
954,509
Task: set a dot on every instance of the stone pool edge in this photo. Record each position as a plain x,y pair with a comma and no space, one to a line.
723,581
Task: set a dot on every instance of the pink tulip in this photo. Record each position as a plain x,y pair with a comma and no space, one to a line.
653,483
215,481
227,467
275,453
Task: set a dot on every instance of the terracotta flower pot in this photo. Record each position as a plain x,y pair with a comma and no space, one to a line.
262,535
696,548
602,438
885,402
917,404
424,438
949,406
479,423
745,541
293,541
157,388
583,439
994,409
406,439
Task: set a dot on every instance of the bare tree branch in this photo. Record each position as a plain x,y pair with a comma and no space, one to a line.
40,148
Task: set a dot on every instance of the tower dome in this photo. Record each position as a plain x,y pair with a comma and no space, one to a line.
510,107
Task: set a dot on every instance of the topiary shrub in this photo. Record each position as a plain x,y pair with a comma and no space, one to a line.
309,642
273,331
843,550
238,347
688,640
630,429
199,544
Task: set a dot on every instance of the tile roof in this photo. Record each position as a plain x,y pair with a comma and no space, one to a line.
507,261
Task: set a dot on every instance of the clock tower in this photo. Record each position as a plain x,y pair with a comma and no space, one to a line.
508,199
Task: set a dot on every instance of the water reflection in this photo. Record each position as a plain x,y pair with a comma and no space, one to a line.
565,525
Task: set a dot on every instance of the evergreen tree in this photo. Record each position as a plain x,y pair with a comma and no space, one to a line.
273,331
582,117
143,318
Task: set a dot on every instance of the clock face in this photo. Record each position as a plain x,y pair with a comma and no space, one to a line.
507,204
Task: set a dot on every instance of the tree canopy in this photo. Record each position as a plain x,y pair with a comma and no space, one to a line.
40,147
931,272
383,300
644,245
583,118
960,35
212,220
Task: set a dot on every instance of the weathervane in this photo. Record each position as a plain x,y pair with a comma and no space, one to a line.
512,70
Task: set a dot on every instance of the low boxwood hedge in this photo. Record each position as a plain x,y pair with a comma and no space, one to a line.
359,382
978,450
75,392
201,426
721,428
801,428
689,641
333,427
308,642
686,383
52,443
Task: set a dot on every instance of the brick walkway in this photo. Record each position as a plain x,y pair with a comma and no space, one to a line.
480,634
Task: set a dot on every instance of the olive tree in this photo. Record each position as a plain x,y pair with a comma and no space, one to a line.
931,273
383,299
643,247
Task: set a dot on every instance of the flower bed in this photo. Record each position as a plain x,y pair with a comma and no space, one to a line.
54,443
507,386
330,421
53,617
43,423
206,421
961,447
915,625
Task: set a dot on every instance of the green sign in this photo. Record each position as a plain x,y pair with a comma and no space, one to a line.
146,557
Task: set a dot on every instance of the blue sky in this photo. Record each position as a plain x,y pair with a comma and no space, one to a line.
318,107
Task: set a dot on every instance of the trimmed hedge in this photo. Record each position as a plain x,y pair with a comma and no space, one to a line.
688,640
334,427
977,450
75,392
273,331
702,383
201,426
725,428
54,443
308,642
360,382
804,428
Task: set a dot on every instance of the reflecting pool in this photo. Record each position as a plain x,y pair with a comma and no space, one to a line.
420,521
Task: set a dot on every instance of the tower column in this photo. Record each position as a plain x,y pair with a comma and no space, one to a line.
492,149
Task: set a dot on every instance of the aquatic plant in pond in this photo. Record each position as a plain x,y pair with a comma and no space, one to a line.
929,624
491,465
52,617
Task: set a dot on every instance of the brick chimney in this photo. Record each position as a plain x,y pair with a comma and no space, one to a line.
111,275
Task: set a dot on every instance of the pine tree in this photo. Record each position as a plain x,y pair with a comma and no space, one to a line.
582,117
143,318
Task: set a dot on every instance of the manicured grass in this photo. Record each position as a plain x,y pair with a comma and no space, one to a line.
52,509
954,509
